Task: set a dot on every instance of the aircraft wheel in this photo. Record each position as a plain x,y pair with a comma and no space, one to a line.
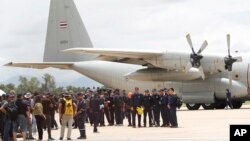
208,106
193,106
220,105
236,104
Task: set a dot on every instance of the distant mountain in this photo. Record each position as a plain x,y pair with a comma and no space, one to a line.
14,80
79,82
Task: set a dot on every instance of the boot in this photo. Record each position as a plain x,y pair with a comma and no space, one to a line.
50,138
83,135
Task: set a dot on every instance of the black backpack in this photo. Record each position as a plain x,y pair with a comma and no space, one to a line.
12,111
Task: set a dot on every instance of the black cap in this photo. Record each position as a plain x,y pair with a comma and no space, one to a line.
19,95
9,95
79,94
161,90
154,90
172,89
49,94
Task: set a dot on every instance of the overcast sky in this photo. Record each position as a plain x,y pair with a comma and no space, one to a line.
149,24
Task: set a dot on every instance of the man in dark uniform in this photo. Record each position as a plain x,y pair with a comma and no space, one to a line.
163,107
229,99
80,115
136,102
1,118
128,112
156,108
111,109
172,104
106,108
88,98
102,101
147,104
47,104
95,110
118,103
166,97
53,107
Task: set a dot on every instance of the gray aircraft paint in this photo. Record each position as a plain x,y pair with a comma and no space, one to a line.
65,30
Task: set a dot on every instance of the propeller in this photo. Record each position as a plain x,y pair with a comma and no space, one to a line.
195,58
229,60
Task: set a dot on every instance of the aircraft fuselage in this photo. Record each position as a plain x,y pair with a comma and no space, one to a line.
111,74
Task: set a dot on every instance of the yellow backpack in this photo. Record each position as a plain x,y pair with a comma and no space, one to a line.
139,110
69,107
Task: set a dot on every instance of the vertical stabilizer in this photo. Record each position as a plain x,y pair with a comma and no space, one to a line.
65,30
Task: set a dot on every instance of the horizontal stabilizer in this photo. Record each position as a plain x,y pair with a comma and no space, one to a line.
44,65
116,52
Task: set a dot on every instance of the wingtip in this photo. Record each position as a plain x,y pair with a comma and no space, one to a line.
70,49
66,50
8,64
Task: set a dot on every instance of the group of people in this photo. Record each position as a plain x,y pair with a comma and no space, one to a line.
20,112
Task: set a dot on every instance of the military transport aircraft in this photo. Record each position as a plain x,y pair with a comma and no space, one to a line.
199,78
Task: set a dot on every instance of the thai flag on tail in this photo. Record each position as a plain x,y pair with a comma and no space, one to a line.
63,24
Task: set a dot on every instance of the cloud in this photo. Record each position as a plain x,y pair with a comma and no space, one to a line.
158,24
164,24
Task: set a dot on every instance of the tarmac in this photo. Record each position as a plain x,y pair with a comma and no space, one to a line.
199,125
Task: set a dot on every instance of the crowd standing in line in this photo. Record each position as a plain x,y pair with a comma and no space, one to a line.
27,113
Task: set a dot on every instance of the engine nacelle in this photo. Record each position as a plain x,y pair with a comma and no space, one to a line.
239,90
158,74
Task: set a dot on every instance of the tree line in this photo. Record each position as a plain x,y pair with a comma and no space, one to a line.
33,84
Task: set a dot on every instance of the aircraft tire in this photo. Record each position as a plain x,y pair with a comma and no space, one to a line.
208,106
236,104
193,106
220,105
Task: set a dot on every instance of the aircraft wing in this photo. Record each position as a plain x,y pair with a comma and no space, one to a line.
121,53
174,60
61,65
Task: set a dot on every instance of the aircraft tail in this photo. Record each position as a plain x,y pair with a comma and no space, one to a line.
65,30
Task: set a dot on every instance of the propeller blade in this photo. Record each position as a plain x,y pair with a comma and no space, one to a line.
188,67
230,77
239,58
190,42
202,72
228,44
203,46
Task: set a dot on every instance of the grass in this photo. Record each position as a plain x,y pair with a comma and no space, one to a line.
247,103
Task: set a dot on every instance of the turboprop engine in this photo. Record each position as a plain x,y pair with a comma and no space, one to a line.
158,74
